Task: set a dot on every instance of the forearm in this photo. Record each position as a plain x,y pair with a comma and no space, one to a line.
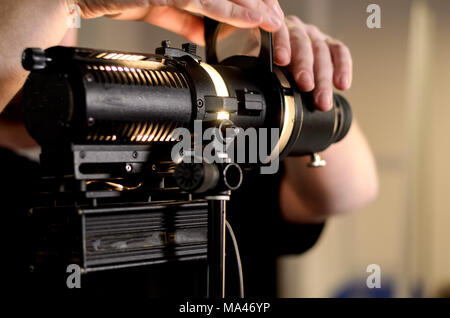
348,181
26,23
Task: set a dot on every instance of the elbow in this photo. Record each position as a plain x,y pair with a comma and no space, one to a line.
372,190
351,199
366,194
319,209
367,187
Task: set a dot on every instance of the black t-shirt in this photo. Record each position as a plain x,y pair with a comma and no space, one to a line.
253,212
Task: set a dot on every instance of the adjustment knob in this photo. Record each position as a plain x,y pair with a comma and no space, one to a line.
34,59
196,177
189,176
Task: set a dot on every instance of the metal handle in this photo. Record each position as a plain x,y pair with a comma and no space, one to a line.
212,29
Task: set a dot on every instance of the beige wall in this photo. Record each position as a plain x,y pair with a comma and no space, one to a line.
400,97
400,100
124,35
437,169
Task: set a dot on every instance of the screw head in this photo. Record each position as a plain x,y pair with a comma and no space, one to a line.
91,121
128,168
89,78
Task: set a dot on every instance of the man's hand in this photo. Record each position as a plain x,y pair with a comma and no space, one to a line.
316,60
349,180
182,16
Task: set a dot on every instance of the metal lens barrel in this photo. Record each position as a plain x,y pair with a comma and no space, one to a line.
317,130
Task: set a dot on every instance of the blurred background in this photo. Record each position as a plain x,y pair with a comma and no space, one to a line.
400,96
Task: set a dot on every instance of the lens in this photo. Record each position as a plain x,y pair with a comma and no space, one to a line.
344,117
317,130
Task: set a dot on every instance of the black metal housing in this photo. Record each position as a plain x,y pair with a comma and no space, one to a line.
85,96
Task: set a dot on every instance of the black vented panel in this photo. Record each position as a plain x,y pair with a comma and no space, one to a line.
117,236
139,235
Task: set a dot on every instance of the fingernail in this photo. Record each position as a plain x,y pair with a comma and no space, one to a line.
323,100
278,10
305,79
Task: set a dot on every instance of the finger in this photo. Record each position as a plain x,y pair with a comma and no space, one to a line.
343,65
181,22
273,15
302,58
323,69
277,8
97,8
282,46
224,11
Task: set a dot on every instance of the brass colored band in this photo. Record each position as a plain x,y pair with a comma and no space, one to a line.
288,120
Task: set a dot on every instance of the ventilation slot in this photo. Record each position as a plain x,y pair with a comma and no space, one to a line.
110,74
134,132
